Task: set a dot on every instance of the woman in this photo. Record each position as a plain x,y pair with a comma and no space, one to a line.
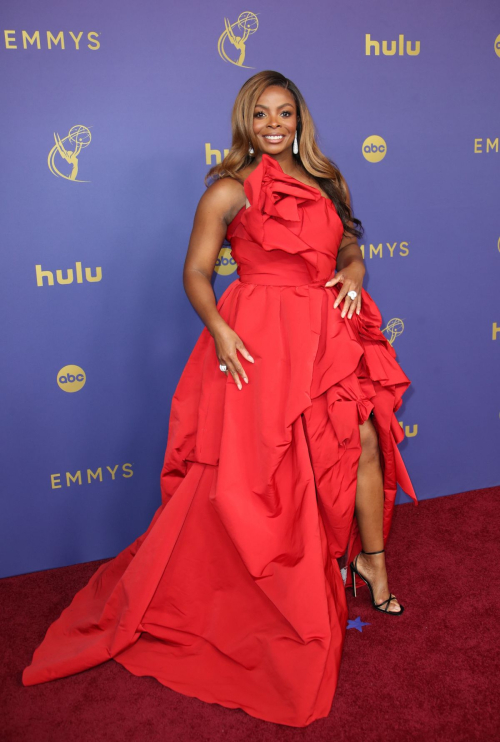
281,465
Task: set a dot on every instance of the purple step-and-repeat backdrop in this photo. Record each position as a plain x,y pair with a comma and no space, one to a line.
112,114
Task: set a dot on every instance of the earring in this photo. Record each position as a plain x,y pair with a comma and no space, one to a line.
250,149
295,147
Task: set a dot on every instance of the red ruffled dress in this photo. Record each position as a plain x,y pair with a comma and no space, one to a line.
235,594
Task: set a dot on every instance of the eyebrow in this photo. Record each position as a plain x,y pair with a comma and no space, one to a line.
267,107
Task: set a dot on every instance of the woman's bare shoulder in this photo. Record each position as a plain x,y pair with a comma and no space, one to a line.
224,197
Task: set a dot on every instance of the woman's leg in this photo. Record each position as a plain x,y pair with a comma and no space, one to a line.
369,515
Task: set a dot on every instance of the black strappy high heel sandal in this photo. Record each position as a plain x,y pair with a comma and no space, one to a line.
377,606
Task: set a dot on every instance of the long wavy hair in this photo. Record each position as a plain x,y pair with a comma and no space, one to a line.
321,168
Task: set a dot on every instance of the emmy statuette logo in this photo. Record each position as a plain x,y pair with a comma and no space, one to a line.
497,45
393,329
68,150
234,38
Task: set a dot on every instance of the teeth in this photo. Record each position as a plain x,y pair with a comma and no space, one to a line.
270,136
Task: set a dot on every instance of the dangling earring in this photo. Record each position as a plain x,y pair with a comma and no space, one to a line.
295,147
250,149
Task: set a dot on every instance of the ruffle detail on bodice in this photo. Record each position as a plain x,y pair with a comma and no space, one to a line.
282,215
277,194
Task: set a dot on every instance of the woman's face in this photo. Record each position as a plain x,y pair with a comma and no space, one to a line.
275,120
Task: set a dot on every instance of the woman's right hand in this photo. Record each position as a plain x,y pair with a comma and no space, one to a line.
227,345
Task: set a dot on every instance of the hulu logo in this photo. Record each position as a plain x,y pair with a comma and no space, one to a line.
389,49
69,277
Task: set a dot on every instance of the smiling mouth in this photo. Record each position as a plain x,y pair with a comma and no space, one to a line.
274,137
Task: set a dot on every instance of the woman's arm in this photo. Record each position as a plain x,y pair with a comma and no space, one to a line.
216,209
350,269
211,218
349,250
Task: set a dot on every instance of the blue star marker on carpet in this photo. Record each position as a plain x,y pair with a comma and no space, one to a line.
356,624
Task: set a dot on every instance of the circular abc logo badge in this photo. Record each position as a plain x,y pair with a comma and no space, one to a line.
71,378
225,265
374,149
497,45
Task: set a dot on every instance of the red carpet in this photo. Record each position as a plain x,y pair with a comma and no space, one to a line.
427,675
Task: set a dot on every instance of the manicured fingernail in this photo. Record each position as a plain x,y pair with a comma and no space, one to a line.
245,380
250,359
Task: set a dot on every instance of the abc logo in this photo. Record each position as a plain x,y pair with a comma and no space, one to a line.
374,149
225,265
497,45
71,378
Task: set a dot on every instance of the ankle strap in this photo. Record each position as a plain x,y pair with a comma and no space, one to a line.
373,552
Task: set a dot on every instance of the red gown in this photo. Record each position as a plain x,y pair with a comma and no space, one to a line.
235,594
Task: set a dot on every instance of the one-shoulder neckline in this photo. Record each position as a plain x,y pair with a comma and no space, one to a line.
305,185
287,175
